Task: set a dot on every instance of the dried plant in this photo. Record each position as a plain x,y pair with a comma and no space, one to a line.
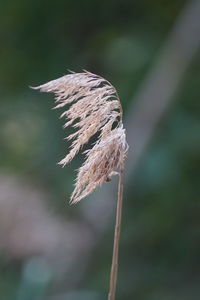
92,106
95,107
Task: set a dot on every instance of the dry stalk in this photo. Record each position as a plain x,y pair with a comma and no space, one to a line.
93,106
114,267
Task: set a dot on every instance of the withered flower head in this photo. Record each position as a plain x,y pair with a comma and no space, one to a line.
92,106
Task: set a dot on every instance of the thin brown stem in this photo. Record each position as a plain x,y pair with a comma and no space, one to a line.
114,267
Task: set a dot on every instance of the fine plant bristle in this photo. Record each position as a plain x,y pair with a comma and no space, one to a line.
91,106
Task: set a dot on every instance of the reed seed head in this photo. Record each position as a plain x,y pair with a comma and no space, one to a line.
91,106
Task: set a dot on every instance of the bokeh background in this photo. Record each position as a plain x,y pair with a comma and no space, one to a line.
150,51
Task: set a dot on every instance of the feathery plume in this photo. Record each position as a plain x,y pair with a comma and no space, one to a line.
91,106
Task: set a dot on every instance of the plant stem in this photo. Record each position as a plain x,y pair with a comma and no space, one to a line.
114,267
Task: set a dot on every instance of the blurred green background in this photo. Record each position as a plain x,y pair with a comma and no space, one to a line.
50,250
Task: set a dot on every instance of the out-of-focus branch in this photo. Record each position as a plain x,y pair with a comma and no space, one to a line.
160,85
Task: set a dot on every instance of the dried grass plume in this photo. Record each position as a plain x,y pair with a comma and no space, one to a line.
91,106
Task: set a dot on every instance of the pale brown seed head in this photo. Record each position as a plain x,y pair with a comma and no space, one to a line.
95,107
